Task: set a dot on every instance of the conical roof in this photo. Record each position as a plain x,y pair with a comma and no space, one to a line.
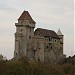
26,16
59,32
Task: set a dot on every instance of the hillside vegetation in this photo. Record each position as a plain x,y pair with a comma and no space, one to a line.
25,67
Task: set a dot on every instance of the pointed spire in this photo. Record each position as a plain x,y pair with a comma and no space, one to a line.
59,32
26,16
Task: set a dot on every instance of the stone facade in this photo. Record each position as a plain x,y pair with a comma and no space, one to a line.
39,45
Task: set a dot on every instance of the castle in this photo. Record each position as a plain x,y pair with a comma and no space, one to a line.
39,45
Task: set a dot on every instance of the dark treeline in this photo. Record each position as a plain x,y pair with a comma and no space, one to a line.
25,67
70,60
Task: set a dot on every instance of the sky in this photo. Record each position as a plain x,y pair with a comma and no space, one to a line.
48,14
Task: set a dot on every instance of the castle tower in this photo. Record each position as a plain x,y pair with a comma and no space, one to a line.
24,33
61,40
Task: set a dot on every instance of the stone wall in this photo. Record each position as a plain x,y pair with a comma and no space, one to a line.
39,48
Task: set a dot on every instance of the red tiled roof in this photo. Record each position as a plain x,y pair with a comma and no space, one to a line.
47,33
26,16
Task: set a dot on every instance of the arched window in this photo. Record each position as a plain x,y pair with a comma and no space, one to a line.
49,38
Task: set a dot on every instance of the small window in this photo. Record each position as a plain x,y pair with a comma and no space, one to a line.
49,44
29,37
49,39
38,59
47,47
51,47
55,40
39,48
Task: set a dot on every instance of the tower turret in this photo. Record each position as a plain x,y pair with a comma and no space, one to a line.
24,33
60,35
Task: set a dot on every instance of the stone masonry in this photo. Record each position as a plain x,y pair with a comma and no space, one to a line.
39,45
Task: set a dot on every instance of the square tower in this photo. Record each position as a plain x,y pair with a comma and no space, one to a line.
24,33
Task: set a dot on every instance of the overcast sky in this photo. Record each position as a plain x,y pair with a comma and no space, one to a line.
48,14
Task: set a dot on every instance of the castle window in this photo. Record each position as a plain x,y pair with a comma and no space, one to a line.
29,37
16,53
49,44
61,42
55,40
39,48
47,47
51,47
38,59
50,39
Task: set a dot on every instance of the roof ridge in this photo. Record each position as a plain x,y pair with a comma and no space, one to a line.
48,33
45,29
